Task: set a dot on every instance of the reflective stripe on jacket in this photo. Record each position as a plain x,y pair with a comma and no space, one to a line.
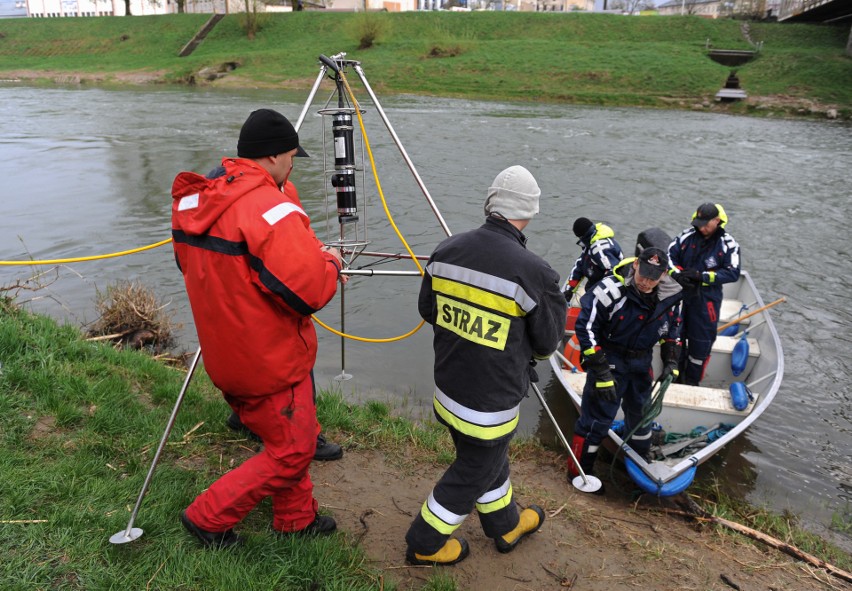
716,257
254,272
613,312
494,305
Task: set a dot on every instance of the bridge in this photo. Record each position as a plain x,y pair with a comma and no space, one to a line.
820,11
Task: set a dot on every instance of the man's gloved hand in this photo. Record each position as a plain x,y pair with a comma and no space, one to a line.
670,354
688,278
570,289
669,369
597,366
533,374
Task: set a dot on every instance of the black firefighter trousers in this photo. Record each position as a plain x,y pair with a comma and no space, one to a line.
478,476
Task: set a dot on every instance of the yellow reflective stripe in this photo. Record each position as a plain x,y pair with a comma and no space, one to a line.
492,283
483,298
589,352
605,384
435,521
476,417
495,505
472,323
711,276
472,429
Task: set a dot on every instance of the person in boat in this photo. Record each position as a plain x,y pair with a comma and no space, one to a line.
494,305
600,254
703,258
254,272
620,321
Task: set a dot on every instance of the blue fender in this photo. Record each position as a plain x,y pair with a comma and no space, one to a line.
739,356
675,486
731,330
740,396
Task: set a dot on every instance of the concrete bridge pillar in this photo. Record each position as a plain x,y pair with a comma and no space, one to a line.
849,44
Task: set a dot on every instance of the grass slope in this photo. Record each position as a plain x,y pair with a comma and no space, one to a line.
584,58
79,425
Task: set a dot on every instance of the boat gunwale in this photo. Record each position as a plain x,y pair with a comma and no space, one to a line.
663,473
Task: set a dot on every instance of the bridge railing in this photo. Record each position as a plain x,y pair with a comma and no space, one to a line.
793,7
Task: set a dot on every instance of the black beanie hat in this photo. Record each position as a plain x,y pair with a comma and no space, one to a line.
267,133
581,226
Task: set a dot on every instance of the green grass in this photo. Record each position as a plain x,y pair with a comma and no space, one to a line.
784,527
578,58
79,424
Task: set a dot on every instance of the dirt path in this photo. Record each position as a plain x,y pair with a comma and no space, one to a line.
588,542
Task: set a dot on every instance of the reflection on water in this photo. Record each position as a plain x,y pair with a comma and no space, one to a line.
89,171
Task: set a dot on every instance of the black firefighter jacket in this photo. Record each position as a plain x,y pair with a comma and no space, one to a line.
494,306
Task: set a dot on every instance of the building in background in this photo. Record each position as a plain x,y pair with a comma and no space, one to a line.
13,8
752,9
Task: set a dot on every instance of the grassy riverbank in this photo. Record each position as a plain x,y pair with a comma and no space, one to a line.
574,58
80,422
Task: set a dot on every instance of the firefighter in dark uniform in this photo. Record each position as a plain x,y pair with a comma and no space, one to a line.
600,254
621,320
494,306
703,258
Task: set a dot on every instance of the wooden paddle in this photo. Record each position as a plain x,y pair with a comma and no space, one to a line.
750,314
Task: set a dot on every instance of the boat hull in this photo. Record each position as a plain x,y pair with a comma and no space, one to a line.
686,408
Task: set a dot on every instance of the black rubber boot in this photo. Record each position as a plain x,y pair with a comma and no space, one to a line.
209,539
322,525
327,450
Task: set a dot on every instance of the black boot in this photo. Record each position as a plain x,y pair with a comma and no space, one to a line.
322,525
209,539
327,450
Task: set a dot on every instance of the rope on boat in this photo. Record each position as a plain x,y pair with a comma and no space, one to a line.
650,411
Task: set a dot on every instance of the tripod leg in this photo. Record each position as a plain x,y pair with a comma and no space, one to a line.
131,533
310,99
584,482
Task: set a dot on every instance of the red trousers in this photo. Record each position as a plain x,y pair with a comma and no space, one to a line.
287,424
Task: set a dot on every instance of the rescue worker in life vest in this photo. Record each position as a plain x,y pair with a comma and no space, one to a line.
703,258
254,273
621,319
494,306
600,254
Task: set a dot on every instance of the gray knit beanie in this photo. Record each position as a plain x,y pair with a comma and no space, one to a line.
513,194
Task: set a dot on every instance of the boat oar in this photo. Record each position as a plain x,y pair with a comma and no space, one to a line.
564,360
584,482
750,314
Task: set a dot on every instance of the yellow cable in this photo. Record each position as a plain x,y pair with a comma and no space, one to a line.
390,219
91,258
314,317
376,174
366,339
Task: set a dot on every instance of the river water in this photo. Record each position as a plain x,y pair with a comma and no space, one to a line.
89,171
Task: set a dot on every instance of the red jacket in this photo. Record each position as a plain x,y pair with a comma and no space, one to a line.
254,273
